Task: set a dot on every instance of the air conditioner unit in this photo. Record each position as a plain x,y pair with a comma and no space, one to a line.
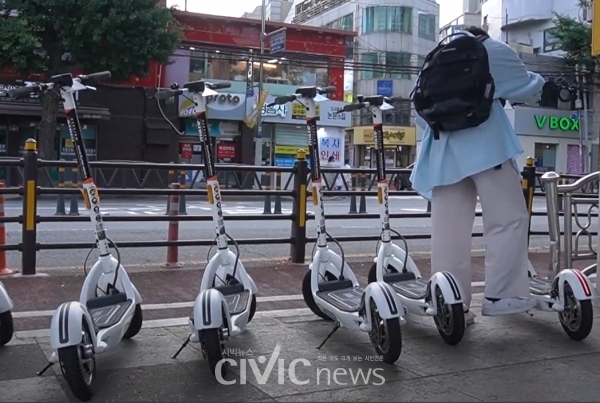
586,14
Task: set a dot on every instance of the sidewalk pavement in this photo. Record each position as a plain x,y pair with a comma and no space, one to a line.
507,359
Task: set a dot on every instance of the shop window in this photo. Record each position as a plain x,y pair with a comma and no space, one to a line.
551,43
387,19
385,65
301,75
427,28
545,157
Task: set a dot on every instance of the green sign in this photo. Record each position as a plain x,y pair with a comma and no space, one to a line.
565,124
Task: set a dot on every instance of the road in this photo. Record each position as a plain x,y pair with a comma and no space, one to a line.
138,231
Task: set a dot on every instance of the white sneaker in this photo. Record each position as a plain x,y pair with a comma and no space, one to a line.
469,318
506,306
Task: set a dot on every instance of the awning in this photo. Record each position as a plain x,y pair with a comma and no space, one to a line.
24,109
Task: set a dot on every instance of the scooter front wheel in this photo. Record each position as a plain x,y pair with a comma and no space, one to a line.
308,296
449,320
385,335
577,318
6,327
213,348
78,366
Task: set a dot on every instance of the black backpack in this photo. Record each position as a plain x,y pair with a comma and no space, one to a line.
455,89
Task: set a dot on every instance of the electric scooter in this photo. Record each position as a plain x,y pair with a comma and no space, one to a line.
330,288
109,307
227,299
6,319
440,297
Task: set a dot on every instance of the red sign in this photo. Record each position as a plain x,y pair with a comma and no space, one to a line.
226,150
187,150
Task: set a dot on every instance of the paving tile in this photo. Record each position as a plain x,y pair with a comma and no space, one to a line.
36,389
543,381
21,361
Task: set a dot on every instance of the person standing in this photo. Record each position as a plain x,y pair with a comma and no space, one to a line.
454,167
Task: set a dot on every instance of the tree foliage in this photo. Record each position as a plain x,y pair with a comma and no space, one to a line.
57,36
575,38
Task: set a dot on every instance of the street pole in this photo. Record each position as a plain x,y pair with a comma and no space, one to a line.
578,106
586,134
258,140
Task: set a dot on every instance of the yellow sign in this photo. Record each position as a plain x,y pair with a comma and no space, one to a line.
392,136
252,117
289,150
595,28
299,111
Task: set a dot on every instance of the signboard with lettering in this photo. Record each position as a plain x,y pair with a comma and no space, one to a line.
226,150
385,88
295,113
331,147
187,150
275,110
222,106
392,136
563,123
278,42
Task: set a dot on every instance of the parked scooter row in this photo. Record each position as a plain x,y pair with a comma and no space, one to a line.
109,306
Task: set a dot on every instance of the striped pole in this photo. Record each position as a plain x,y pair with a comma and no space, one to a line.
3,268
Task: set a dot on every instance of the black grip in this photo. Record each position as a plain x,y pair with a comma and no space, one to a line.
271,105
327,90
165,94
22,92
284,99
218,86
353,107
393,99
100,76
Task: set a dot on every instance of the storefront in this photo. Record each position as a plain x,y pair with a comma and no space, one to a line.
284,132
399,143
551,136
225,113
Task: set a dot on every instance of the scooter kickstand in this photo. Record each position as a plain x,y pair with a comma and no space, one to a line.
185,343
529,313
40,373
336,327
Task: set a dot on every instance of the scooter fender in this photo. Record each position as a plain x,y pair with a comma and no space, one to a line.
209,309
449,287
6,303
580,284
388,305
67,325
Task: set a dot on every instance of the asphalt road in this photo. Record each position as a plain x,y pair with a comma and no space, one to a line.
138,231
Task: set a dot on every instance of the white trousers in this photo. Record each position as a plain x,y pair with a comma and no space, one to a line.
505,228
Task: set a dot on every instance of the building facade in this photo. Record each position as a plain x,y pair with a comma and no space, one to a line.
390,48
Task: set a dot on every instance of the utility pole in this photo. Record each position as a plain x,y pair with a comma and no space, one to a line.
579,107
263,36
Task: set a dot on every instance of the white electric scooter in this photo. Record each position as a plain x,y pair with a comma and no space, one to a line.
568,292
109,307
6,319
440,297
330,288
227,299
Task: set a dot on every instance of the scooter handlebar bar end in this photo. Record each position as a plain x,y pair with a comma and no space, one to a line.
218,86
352,107
24,91
284,99
165,94
327,90
393,99
100,76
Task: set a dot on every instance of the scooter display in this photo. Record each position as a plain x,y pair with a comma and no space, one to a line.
227,299
109,307
440,297
330,288
6,319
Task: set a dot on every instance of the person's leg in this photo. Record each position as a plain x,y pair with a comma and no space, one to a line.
452,216
505,226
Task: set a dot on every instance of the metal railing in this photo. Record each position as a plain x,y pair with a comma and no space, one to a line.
297,188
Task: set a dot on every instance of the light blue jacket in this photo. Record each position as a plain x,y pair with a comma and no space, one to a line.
458,155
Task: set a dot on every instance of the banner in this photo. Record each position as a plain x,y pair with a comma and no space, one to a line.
252,117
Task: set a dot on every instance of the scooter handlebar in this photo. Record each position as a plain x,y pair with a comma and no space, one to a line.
165,94
391,100
22,92
100,76
284,99
218,86
352,107
327,90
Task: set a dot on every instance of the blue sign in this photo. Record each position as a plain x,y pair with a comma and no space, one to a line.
278,42
385,88
575,116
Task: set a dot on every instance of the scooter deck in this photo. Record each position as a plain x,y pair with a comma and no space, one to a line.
108,310
407,285
341,294
236,297
539,286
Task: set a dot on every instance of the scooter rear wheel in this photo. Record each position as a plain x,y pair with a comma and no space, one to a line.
78,370
308,297
449,320
6,327
385,335
136,323
577,319
213,349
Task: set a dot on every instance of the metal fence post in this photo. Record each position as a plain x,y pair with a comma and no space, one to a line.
353,197
277,206
298,245
171,178
29,234
362,208
182,185
74,208
528,185
266,184
60,201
